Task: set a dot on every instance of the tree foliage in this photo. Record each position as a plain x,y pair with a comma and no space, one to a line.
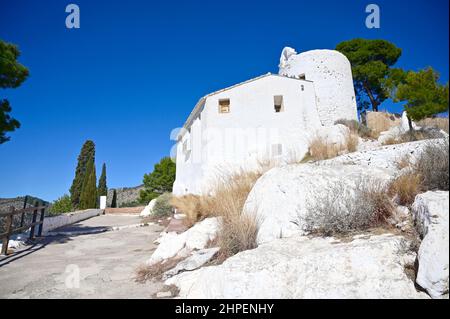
114,199
423,95
61,205
12,74
102,188
159,181
371,62
87,153
88,196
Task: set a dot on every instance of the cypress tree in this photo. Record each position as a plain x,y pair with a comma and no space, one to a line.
88,197
87,152
114,199
102,188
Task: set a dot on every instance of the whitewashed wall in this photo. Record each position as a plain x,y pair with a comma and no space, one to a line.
331,73
245,136
51,223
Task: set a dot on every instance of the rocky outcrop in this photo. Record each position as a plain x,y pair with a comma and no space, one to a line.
300,267
197,259
431,213
282,197
125,195
148,210
181,245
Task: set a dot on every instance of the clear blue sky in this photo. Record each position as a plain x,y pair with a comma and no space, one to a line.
135,69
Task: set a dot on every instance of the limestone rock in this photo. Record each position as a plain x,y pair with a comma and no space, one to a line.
196,237
148,210
333,135
431,212
196,260
299,267
282,196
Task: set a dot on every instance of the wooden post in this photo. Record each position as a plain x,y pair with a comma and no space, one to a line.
23,214
41,219
34,220
8,225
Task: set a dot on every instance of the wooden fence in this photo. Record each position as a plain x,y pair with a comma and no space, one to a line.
38,212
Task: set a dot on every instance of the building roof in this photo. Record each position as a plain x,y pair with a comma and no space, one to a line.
201,102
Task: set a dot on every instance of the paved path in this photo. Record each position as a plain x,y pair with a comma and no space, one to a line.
105,260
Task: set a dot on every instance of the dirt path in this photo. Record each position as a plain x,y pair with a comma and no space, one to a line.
104,261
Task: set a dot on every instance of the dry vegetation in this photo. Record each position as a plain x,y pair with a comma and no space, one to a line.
341,211
319,149
406,187
155,271
429,172
238,231
358,129
438,122
416,135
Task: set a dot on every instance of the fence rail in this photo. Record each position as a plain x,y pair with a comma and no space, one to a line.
11,229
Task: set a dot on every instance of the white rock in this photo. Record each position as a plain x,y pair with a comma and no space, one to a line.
148,210
333,135
385,156
431,212
404,124
197,237
299,267
196,260
283,195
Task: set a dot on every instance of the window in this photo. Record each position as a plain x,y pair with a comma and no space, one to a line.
278,103
303,87
277,149
224,106
302,76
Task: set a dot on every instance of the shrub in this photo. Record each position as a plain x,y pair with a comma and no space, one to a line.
441,123
406,187
351,142
162,205
60,206
357,128
340,210
319,149
433,166
155,271
416,135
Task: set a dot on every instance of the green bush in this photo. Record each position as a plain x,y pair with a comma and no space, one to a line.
162,206
60,206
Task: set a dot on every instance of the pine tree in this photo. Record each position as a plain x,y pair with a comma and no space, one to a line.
159,181
88,197
87,152
102,188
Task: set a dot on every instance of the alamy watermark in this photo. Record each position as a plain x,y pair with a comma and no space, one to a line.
373,19
73,19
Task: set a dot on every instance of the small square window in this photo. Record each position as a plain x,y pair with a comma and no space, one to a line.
302,76
224,106
278,103
303,87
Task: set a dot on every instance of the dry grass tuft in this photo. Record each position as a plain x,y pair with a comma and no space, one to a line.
238,231
340,211
319,149
404,162
433,166
416,135
351,142
406,187
155,271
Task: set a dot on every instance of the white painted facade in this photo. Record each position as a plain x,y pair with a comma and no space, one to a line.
269,117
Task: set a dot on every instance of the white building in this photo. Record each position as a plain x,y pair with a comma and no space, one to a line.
268,117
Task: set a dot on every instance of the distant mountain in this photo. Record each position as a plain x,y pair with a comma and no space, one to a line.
126,196
18,202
